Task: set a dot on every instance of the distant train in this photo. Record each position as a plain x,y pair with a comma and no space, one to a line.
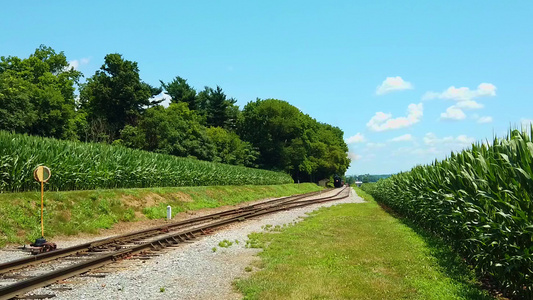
337,181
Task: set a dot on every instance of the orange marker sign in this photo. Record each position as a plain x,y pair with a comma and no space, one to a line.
42,174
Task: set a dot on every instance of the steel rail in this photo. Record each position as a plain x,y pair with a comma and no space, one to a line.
56,254
27,285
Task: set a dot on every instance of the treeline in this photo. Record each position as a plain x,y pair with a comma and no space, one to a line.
366,178
114,106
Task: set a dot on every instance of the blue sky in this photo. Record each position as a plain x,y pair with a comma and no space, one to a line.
407,81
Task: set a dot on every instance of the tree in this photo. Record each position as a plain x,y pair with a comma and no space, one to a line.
230,149
175,130
44,83
270,126
115,95
218,110
291,141
17,113
180,91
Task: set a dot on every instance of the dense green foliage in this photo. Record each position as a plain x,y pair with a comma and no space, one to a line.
366,178
480,201
173,130
116,107
37,94
77,166
291,141
230,149
180,91
115,96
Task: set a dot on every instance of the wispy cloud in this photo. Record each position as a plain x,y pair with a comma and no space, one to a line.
453,113
75,64
462,140
393,84
486,119
469,104
425,151
382,121
402,138
354,156
463,93
358,138
464,98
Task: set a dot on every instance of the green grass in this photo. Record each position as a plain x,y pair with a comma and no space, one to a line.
70,213
225,243
356,251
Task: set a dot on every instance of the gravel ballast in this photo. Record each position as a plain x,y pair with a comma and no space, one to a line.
190,271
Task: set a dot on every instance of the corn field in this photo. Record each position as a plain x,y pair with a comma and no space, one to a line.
82,166
479,200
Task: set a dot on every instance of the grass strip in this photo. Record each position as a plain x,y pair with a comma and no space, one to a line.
356,251
70,213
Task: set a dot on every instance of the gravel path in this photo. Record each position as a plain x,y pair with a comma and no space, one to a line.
191,271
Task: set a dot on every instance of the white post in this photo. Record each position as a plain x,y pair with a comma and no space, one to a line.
169,212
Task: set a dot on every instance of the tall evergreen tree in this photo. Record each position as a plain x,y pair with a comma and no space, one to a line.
180,91
218,110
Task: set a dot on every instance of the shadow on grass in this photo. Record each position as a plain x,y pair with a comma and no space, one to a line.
450,262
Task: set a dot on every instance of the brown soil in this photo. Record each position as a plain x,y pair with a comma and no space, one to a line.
181,197
150,199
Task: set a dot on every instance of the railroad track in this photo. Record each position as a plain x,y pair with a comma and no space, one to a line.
106,251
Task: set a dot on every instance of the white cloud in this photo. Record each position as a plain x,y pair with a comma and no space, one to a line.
402,138
486,119
453,113
423,151
463,93
462,140
469,104
393,84
354,156
75,64
464,98
486,89
382,121
162,96
433,147
358,138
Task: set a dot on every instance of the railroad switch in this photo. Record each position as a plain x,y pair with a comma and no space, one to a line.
41,246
